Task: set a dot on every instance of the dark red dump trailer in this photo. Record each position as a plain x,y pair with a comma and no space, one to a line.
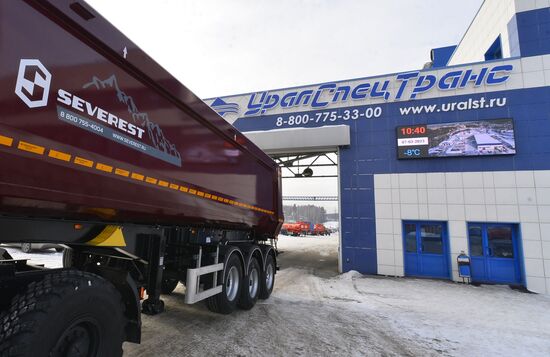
102,150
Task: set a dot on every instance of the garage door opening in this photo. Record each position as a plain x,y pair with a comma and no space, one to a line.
310,237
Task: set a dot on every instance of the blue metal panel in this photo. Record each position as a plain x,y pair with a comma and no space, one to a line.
441,56
533,29
494,51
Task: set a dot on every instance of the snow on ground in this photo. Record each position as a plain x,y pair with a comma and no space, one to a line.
444,317
49,257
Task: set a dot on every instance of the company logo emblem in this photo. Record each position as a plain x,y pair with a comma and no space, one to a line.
222,108
33,83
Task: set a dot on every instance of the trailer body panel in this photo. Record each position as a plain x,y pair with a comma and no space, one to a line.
91,128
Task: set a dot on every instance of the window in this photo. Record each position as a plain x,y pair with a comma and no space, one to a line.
410,238
476,240
494,51
432,238
499,241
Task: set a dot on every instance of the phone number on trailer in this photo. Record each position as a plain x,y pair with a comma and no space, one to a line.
332,116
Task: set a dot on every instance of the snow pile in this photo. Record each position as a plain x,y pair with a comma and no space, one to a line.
350,275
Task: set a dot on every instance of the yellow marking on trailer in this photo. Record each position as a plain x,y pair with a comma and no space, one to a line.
103,167
137,176
59,155
35,149
83,162
151,180
110,236
4,140
121,172
163,183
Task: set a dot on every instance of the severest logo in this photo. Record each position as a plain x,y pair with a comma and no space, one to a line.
33,83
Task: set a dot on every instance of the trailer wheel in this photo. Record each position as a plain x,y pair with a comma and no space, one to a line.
250,287
226,301
168,285
268,278
67,313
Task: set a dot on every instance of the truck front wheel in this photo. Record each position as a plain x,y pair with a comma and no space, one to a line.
226,301
67,313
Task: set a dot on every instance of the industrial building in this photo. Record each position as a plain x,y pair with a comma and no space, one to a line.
448,159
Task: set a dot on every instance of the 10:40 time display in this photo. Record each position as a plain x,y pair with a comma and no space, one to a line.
414,130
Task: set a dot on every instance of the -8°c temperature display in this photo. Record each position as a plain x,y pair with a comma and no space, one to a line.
412,142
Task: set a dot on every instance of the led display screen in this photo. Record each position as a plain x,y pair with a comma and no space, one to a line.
470,138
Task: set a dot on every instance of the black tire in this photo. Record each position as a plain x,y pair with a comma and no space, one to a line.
268,278
168,285
68,258
250,285
226,301
67,313
59,250
26,247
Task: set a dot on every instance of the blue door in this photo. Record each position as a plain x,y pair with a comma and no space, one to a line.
426,249
494,253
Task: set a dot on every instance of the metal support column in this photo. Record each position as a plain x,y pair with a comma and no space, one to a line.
153,304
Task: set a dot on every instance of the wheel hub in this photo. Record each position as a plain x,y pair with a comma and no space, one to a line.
253,282
232,283
81,339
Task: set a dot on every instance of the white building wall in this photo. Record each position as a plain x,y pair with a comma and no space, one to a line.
521,197
490,22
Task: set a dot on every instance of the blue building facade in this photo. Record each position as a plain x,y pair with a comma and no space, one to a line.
442,161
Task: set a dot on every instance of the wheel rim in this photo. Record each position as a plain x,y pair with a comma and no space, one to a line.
232,283
253,282
269,276
81,339
26,247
